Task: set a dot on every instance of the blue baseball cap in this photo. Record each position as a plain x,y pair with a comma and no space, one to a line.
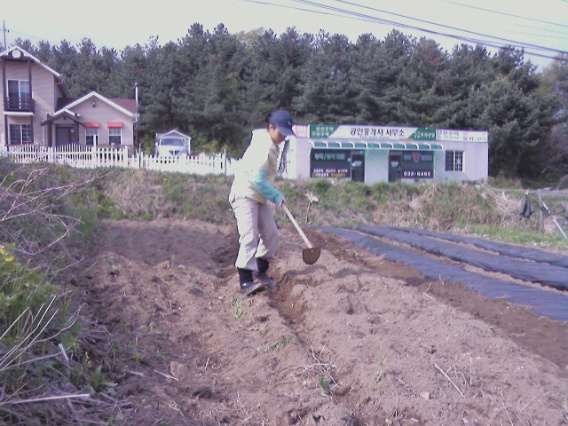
282,119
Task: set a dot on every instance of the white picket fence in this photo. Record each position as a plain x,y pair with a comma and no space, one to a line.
89,157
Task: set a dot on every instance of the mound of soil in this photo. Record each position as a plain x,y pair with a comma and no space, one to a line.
351,340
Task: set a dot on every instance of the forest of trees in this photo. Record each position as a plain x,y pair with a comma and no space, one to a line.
217,86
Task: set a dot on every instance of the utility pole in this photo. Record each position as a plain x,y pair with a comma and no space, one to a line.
4,30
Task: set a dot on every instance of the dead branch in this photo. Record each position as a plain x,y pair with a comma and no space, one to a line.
450,380
43,399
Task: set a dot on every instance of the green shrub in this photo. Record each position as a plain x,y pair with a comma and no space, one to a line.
20,290
320,186
30,313
380,192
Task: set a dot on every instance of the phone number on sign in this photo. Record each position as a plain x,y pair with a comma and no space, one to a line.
330,173
427,174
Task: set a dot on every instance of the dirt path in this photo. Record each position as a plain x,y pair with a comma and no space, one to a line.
352,340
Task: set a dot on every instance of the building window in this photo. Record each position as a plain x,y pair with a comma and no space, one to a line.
454,161
115,136
18,88
92,136
20,133
19,95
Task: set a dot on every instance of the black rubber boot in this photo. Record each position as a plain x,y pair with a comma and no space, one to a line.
245,275
262,275
247,284
263,265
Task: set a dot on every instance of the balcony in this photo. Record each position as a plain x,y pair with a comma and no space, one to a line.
19,104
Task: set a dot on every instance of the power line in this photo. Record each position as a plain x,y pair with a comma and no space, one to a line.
506,14
342,12
18,33
513,42
301,9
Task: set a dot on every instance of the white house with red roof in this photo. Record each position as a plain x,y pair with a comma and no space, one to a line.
93,120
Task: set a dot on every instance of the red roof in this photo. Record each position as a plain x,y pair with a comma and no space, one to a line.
128,104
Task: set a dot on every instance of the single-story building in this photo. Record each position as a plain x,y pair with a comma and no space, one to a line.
372,154
94,120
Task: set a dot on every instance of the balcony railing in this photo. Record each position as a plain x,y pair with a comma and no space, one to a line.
19,103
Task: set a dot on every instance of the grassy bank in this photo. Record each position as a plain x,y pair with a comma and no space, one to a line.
484,210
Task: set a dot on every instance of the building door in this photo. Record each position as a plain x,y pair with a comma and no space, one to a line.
63,135
395,166
358,166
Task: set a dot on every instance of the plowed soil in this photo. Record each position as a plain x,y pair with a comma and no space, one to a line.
351,340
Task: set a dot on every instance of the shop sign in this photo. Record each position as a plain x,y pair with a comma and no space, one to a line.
417,165
322,131
330,163
391,133
301,130
462,135
424,134
331,172
361,132
394,133
417,174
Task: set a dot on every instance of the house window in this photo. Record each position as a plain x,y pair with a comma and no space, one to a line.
454,161
19,96
92,136
20,133
114,135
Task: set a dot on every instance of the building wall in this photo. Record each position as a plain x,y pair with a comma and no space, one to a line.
476,162
103,113
298,165
376,166
45,93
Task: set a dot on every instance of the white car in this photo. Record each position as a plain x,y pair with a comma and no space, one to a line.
171,147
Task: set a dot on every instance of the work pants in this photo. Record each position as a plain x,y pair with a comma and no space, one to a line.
258,235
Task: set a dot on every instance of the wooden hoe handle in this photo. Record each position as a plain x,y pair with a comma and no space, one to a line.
297,226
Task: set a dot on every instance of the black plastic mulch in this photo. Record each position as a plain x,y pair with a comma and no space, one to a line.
545,303
510,250
507,259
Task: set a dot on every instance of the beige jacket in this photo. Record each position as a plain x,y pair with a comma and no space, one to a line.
257,169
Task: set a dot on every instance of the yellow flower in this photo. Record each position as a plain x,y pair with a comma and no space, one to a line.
2,251
9,259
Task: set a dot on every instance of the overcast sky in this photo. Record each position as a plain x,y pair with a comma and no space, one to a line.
120,23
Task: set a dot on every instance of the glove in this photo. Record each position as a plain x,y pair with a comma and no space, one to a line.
279,199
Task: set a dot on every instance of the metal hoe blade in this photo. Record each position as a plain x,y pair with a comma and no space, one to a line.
311,255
